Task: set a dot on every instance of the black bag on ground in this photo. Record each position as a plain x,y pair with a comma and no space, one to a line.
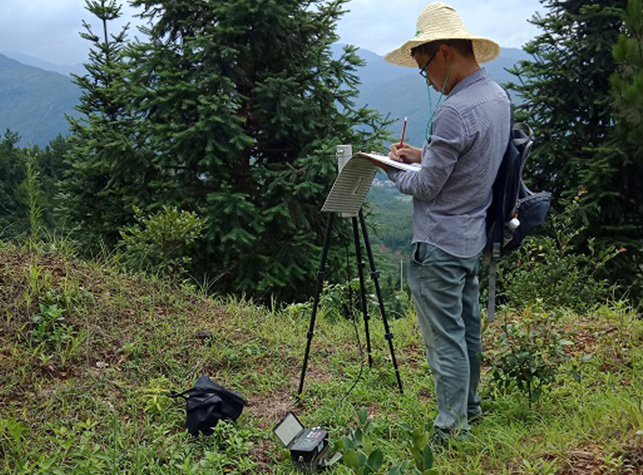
515,210
207,403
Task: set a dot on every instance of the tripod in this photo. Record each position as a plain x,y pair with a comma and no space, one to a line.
362,287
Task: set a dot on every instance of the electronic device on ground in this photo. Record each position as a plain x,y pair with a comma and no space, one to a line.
308,447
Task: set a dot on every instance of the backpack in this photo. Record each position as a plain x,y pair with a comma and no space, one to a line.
207,403
515,210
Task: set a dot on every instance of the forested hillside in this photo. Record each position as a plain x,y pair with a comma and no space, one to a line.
34,102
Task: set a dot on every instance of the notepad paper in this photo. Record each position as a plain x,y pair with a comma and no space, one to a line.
354,182
409,167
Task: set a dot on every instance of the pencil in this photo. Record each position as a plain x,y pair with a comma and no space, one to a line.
403,132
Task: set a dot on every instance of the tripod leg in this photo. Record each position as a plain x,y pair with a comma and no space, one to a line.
318,290
375,275
362,288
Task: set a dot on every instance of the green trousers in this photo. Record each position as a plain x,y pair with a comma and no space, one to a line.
445,292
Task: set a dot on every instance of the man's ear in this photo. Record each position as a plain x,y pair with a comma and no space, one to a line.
445,51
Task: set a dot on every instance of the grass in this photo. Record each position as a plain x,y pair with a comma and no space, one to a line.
88,353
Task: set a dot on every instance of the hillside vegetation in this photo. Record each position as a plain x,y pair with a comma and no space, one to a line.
88,354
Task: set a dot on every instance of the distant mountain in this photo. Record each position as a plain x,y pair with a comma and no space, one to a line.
34,96
27,60
33,102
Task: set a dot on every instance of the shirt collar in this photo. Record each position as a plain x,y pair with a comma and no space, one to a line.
467,81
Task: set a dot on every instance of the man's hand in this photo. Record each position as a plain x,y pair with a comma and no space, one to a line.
406,153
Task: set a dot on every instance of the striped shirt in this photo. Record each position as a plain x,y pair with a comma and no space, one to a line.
452,190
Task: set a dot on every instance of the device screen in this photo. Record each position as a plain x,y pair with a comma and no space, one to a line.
288,429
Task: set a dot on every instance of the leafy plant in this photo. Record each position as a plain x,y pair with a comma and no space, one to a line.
360,454
14,444
420,450
154,244
50,325
530,354
549,269
357,448
340,300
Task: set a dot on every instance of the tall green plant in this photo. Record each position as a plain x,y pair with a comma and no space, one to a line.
585,119
231,109
29,176
32,196
12,174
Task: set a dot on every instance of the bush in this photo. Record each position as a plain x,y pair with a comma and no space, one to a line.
530,354
550,270
156,242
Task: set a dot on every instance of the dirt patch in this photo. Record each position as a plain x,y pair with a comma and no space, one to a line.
593,461
269,409
582,462
261,453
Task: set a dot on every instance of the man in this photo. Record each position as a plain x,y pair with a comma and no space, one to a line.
466,141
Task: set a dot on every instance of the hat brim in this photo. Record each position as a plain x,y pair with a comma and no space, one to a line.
484,50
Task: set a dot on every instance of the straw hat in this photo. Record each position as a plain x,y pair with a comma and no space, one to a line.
441,22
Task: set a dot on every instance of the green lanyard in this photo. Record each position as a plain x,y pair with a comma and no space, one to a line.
429,125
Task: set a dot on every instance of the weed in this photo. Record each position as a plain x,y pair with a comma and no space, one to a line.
539,467
14,446
32,196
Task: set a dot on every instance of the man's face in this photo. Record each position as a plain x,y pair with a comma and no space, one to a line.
434,67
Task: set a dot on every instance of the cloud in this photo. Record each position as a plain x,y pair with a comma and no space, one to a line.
49,29
383,25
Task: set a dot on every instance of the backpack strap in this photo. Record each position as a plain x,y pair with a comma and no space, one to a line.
496,251
493,278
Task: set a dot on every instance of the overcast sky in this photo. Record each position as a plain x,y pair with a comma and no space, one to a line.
49,29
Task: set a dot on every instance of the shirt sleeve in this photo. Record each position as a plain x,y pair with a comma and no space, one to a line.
449,141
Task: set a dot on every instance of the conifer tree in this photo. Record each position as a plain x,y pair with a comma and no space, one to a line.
586,121
566,92
244,107
12,173
620,173
108,175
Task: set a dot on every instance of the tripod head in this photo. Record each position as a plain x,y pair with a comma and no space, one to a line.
344,153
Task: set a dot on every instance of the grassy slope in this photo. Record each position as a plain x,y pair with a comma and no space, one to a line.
91,401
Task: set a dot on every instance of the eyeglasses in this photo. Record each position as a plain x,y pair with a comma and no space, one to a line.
422,71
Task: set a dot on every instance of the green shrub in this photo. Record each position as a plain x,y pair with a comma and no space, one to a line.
157,242
343,300
530,354
549,269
